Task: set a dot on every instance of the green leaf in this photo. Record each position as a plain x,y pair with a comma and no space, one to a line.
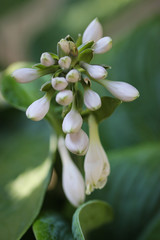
109,105
89,216
86,55
152,231
79,40
26,167
84,46
133,192
17,94
51,226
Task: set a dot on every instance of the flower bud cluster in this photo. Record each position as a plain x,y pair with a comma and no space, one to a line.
70,86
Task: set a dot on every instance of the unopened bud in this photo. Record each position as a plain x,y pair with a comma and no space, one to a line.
121,90
102,45
91,99
65,62
59,83
64,97
77,143
24,75
72,122
95,71
73,76
93,32
63,48
72,180
46,59
38,109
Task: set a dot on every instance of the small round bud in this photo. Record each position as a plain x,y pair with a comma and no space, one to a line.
46,59
95,71
38,109
102,45
77,143
65,62
73,76
63,47
92,100
72,122
64,97
59,83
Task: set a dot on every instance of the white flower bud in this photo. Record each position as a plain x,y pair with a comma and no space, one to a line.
121,90
72,180
64,97
102,45
93,32
24,75
96,163
65,62
91,99
73,76
64,45
95,71
38,109
59,83
72,122
77,143
46,59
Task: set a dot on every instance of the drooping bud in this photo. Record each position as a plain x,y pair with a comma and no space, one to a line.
96,163
77,143
95,71
102,45
72,122
63,48
24,75
38,109
73,76
121,90
64,97
91,99
65,62
59,83
46,59
72,180
93,32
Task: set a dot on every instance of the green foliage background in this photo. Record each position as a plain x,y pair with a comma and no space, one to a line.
130,136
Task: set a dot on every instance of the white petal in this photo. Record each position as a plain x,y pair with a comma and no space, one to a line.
72,180
121,90
64,97
92,100
93,32
95,71
102,45
72,122
73,76
38,109
24,75
59,83
77,143
46,59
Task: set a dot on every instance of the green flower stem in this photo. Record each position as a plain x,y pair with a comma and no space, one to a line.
55,123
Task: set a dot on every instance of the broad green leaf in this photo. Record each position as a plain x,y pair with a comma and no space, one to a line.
26,166
152,231
86,55
89,216
109,105
133,192
17,94
51,226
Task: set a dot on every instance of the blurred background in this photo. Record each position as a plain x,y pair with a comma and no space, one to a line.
131,135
